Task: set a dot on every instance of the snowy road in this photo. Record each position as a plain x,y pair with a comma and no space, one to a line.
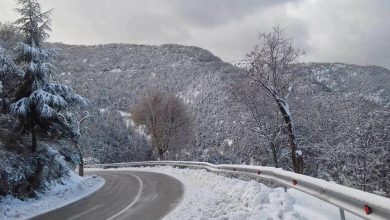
125,195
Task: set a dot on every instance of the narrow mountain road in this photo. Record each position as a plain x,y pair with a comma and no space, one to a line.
125,195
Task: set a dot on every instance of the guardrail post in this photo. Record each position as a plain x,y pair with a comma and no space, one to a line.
342,214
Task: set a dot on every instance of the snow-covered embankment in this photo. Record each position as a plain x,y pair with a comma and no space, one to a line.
58,195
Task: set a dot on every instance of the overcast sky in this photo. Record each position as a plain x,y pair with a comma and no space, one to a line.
351,31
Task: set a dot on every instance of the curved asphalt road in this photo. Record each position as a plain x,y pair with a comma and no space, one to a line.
125,195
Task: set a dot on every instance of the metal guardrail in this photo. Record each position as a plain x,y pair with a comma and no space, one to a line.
357,202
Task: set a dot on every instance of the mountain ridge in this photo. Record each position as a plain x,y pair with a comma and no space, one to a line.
121,73
330,103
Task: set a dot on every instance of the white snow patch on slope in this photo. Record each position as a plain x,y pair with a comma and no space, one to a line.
74,188
124,114
229,142
127,118
190,95
243,64
116,70
129,122
375,97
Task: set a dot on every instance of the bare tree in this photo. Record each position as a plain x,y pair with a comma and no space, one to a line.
76,143
9,36
264,120
166,119
271,68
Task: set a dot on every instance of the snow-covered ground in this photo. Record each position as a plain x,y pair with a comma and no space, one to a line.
58,195
316,209
211,196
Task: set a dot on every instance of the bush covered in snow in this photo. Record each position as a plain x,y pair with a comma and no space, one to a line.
18,172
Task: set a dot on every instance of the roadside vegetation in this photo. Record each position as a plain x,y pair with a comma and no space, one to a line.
39,127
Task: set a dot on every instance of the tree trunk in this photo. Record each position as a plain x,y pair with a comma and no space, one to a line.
34,146
36,178
296,161
274,156
160,154
81,167
81,164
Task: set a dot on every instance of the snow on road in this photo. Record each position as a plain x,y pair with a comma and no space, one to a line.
211,196
73,189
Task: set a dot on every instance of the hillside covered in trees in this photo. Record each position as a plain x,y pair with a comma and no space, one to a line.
341,111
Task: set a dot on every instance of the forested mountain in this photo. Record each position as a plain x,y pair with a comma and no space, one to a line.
114,77
340,111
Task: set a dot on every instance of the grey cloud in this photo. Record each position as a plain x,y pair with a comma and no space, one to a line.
352,31
210,13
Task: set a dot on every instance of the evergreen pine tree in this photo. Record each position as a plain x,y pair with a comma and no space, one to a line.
42,107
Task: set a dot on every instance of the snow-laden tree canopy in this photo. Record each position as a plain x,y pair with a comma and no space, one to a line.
40,104
8,71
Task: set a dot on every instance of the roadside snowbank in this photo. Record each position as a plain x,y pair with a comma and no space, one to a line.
211,196
74,188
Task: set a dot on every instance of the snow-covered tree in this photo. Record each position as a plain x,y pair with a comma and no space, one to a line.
264,120
40,105
271,68
8,72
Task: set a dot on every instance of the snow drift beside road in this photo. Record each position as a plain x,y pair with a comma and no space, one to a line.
73,189
211,196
